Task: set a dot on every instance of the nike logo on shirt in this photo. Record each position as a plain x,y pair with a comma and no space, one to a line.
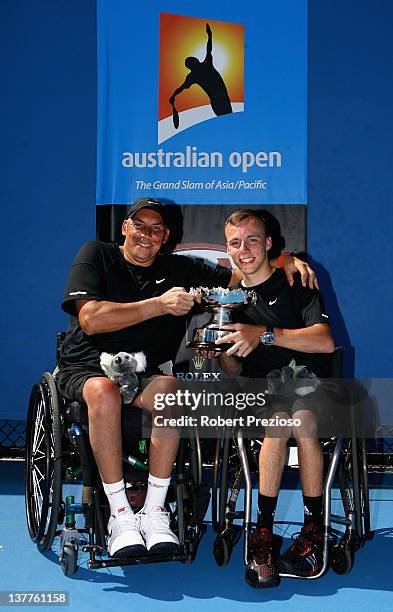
271,302
160,281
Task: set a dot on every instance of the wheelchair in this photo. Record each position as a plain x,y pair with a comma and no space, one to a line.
58,456
235,460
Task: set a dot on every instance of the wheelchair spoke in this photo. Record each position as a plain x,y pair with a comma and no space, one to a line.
37,471
37,496
37,441
36,509
39,429
39,455
37,452
37,482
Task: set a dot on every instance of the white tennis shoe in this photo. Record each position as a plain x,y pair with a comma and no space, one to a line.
154,527
124,538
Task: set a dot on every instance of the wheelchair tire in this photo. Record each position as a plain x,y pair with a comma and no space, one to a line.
224,543
69,562
348,483
222,550
224,482
341,559
215,485
364,489
43,477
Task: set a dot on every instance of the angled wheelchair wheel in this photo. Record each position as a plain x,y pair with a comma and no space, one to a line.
352,478
365,496
69,561
222,550
341,559
43,475
192,498
229,483
215,485
224,543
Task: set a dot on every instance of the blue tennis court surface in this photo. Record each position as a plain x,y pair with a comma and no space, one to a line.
202,584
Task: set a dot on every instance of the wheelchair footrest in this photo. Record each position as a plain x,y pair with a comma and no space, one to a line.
184,557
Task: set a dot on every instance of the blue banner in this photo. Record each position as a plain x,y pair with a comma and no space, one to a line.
201,102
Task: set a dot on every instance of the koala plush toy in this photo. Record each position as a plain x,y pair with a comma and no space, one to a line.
122,369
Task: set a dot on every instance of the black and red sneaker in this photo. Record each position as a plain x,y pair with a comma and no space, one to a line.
305,557
262,571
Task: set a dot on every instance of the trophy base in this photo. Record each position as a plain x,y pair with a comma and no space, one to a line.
205,337
208,346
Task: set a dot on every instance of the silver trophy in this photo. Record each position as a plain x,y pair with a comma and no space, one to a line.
221,303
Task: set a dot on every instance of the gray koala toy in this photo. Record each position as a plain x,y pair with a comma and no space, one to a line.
122,368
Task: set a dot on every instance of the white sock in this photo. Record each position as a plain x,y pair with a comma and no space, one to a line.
156,492
116,494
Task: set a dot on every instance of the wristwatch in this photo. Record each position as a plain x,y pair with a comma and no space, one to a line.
268,337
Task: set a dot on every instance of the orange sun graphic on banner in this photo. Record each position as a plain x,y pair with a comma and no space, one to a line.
201,72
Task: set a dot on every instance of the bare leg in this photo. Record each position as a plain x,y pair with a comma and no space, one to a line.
272,459
163,444
103,401
310,454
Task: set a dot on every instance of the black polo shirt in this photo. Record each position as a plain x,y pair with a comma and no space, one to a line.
100,272
281,305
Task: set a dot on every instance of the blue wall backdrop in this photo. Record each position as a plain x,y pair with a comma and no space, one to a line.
47,185
350,188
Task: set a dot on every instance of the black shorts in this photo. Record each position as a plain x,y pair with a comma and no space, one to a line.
315,402
327,404
71,380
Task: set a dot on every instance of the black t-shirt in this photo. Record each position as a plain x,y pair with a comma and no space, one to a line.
100,272
281,305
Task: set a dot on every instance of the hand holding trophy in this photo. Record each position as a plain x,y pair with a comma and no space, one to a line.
221,303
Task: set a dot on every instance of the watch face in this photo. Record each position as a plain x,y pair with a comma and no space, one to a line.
268,338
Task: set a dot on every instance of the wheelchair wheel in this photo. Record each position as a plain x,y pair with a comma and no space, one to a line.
353,483
191,500
43,476
341,559
69,563
224,543
229,483
368,534
222,550
215,485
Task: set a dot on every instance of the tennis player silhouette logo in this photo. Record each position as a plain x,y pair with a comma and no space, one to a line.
204,74
201,73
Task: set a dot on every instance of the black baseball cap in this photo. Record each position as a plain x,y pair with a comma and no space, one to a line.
151,203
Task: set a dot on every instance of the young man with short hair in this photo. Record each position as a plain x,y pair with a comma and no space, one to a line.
286,333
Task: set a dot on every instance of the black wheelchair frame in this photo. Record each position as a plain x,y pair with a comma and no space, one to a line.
346,463
58,452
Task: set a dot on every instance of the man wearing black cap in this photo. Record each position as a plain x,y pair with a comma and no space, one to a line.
130,298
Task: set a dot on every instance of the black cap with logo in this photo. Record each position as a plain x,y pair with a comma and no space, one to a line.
151,203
